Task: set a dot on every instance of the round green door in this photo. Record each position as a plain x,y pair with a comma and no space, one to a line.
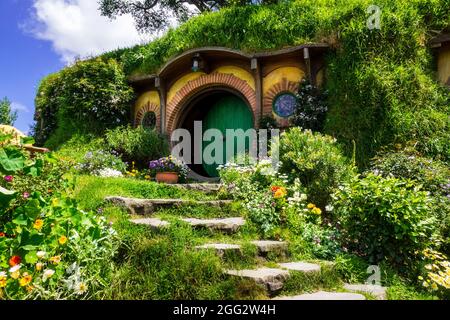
229,112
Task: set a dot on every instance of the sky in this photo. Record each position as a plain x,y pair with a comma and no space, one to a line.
40,37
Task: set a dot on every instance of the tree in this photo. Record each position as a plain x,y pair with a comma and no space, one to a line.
155,15
7,115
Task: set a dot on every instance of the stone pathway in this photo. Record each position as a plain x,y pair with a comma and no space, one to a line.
137,206
272,279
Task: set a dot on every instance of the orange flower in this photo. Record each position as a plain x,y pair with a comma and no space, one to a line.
2,234
14,261
62,240
38,224
25,280
275,188
280,193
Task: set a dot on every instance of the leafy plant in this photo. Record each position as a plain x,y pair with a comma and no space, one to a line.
7,115
316,160
384,219
137,144
311,107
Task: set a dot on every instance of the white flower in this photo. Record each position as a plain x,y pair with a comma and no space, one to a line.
329,208
2,274
80,288
109,172
41,254
15,268
47,274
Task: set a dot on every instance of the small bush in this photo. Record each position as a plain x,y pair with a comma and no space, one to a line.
311,107
139,144
316,160
384,218
95,162
323,242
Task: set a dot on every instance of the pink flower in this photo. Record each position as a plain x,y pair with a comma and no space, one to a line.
8,178
26,195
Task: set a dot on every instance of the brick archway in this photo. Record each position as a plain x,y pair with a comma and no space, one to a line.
283,86
148,107
212,80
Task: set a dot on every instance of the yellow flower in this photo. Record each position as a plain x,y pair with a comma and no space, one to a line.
38,224
55,202
25,280
29,288
279,194
434,286
316,211
15,274
147,177
311,205
62,240
2,282
39,266
55,259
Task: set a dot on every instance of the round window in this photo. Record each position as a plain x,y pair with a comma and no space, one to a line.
284,104
149,120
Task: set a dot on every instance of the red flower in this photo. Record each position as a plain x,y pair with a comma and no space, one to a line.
275,188
14,261
2,234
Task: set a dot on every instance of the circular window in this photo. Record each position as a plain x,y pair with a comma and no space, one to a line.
149,120
284,104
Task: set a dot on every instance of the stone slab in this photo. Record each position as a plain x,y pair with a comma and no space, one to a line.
323,295
300,266
272,278
221,248
148,206
227,225
379,292
153,223
266,246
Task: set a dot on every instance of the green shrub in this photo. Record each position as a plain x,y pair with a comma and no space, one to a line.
316,160
384,219
322,241
139,145
88,97
433,175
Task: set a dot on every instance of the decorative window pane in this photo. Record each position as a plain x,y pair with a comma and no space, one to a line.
149,120
284,104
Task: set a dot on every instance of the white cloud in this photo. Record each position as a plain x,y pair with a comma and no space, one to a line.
16,106
76,29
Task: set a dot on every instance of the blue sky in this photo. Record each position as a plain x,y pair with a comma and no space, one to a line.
24,60
39,37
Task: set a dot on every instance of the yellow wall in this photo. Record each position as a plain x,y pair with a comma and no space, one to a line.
444,66
180,83
239,73
149,96
290,73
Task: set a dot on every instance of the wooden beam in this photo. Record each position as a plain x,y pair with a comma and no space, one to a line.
160,85
307,63
257,75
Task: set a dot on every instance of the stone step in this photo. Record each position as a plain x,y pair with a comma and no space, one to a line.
377,291
266,246
207,188
300,266
148,206
272,279
263,246
227,225
324,295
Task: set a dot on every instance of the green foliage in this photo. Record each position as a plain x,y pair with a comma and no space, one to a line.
7,115
316,160
433,175
58,251
137,144
88,97
323,242
311,107
384,219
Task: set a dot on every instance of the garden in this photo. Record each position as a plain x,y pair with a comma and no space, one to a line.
363,178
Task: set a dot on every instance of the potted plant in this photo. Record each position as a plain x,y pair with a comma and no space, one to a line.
168,170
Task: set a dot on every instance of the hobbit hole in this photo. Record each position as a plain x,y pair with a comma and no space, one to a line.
225,89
